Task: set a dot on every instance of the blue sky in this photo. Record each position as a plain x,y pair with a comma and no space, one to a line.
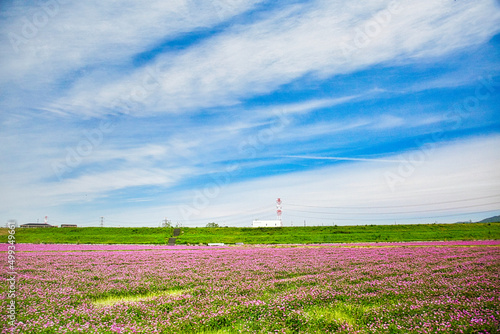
200,112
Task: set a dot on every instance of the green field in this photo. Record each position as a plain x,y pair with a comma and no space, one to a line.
283,235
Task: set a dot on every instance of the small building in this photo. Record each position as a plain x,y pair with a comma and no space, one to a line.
36,225
68,225
267,223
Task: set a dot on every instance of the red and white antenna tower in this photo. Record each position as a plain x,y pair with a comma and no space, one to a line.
278,208
46,220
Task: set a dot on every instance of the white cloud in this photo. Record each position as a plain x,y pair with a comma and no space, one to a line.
312,157
100,184
52,39
307,106
149,152
388,122
85,188
457,171
259,57
80,64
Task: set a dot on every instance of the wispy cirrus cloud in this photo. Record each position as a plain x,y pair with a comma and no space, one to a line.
56,37
361,183
51,46
311,157
221,71
267,96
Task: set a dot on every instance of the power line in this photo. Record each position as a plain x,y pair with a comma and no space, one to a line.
392,213
392,206
245,213
395,218
266,212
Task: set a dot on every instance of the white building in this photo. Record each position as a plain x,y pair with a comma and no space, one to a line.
267,223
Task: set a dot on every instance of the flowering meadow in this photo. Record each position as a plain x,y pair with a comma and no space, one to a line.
427,287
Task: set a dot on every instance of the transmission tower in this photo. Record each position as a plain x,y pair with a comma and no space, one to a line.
278,210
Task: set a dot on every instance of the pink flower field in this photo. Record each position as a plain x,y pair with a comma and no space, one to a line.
427,287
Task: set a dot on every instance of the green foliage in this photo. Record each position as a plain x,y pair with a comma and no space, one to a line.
92,235
282,235
340,234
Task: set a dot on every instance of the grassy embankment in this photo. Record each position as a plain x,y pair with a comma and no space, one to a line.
284,235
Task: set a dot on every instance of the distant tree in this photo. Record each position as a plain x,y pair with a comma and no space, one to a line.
212,225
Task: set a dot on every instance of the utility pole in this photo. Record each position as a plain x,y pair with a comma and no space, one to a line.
102,221
304,222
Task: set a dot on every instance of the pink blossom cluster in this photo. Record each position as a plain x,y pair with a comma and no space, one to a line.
329,289
131,247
